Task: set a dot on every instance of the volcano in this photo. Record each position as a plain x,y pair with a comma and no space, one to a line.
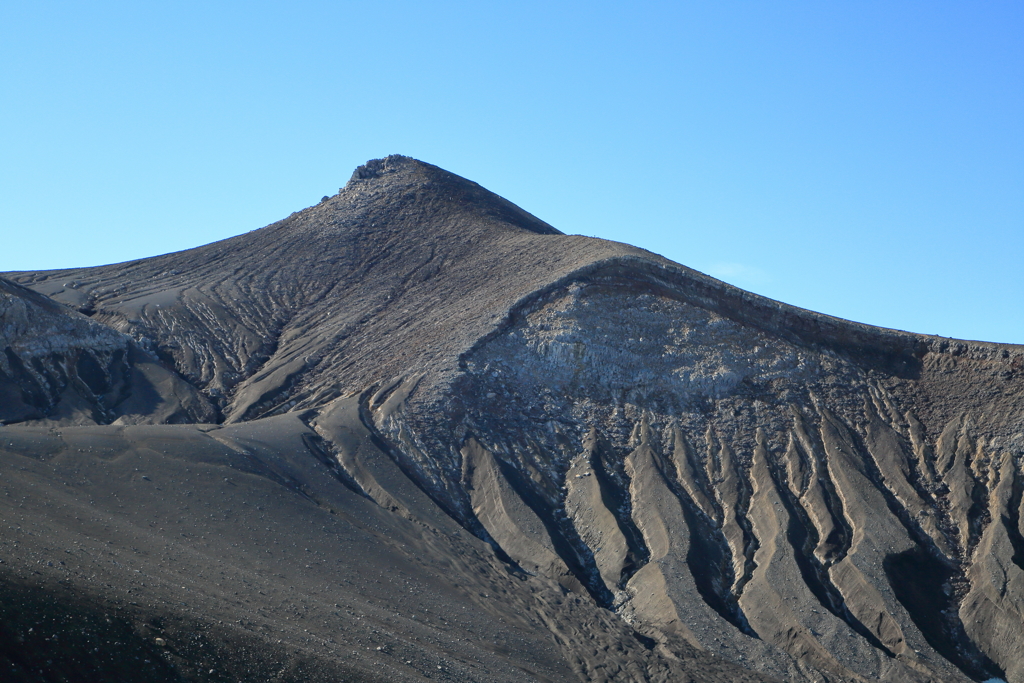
416,433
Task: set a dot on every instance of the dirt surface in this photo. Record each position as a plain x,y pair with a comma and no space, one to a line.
414,432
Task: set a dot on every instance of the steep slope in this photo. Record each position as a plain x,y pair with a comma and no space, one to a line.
406,266
710,476
59,366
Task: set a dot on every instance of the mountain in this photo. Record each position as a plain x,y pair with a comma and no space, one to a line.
414,432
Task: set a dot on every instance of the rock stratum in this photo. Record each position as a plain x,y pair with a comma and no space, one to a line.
415,433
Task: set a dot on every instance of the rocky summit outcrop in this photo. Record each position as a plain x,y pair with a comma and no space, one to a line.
562,455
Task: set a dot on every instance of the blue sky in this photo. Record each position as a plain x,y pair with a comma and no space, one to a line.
861,159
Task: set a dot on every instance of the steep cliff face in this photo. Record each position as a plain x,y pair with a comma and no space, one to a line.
815,511
711,479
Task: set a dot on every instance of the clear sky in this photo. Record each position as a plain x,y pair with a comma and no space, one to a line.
862,159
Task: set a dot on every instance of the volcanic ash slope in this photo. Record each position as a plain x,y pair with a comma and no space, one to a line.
427,436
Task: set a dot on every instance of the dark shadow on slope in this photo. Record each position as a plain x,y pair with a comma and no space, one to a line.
316,445
919,581
709,564
803,539
468,522
617,500
922,582
384,447
57,635
1011,521
32,394
563,536
44,638
92,373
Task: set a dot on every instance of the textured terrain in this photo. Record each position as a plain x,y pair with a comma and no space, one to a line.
415,432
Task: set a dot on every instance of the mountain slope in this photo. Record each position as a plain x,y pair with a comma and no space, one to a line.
60,366
709,475
368,282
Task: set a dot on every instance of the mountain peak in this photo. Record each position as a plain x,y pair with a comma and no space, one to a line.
375,168
396,179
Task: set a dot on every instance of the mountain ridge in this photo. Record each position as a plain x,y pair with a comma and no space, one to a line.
404,177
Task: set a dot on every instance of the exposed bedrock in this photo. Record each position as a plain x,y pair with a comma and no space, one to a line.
775,504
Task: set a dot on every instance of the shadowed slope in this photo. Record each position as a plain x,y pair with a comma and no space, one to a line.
58,365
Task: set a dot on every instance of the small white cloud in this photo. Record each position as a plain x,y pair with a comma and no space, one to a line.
738,274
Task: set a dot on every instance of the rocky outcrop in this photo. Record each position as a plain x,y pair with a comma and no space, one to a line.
59,366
